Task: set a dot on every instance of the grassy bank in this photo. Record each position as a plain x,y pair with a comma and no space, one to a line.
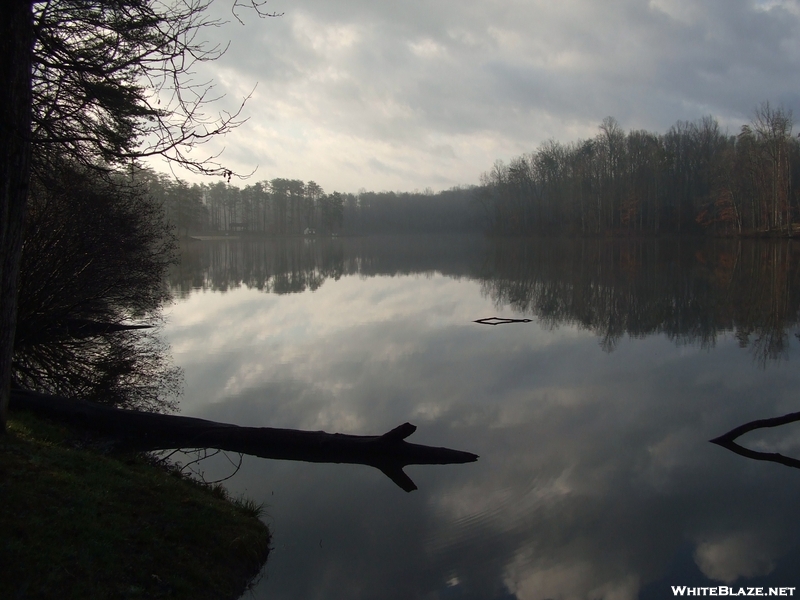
75,523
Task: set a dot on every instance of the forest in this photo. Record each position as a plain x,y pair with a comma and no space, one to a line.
291,206
694,179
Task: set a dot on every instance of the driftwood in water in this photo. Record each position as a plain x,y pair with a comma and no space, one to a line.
500,321
142,431
728,440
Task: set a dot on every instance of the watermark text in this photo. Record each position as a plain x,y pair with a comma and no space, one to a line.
724,590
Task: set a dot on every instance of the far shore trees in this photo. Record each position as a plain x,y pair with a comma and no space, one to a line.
695,178
280,206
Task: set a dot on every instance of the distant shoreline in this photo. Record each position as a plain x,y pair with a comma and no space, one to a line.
260,236
608,235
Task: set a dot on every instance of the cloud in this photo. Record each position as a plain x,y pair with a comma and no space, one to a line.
361,94
738,555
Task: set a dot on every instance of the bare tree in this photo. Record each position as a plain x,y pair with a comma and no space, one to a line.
16,41
695,176
773,129
113,81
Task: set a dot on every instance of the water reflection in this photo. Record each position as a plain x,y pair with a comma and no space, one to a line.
728,440
596,478
690,291
293,265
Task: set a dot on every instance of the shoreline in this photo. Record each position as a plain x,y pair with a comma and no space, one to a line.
79,523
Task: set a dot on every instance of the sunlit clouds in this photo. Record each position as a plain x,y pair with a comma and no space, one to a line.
741,554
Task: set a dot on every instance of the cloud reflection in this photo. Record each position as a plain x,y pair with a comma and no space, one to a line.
595,470
742,554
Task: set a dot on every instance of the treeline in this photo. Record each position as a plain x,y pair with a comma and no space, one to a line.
291,207
449,211
279,206
694,178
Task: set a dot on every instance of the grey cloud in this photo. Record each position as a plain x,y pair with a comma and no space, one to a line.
377,165
403,77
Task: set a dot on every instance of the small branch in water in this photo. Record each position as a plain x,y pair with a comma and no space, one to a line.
500,321
728,440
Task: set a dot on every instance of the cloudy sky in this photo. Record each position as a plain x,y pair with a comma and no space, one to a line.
407,95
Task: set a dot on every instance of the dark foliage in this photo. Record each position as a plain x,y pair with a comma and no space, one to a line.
102,83
112,81
95,256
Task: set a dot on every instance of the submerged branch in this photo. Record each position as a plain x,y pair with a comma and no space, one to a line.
143,431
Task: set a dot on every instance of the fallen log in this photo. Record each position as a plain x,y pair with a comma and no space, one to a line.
131,430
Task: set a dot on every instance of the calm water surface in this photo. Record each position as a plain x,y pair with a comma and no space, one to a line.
596,478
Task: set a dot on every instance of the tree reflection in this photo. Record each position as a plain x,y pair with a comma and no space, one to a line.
292,265
689,291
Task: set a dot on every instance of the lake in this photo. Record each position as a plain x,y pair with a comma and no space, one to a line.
596,478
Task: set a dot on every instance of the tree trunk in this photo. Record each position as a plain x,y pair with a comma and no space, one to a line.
141,431
16,50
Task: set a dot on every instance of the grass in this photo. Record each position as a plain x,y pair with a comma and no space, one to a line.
75,523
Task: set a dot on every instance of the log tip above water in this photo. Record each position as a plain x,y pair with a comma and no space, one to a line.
400,432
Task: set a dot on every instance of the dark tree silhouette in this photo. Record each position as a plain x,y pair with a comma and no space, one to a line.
100,83
95,257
